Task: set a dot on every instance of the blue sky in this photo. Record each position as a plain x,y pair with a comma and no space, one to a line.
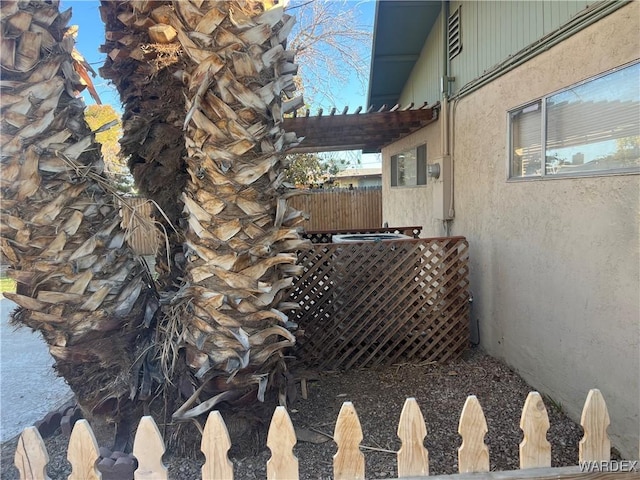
91,36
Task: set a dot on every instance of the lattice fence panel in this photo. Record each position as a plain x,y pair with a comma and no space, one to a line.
373,304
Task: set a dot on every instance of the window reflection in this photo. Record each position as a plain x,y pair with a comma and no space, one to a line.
593,127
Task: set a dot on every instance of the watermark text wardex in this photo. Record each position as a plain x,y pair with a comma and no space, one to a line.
612,466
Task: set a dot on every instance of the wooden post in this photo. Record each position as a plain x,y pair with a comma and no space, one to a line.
31,457
148,448
595,445
535,450
215,445
283,464
473,454
83,453
348,462
413,458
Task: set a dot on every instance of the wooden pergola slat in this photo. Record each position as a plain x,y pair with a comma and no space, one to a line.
368,131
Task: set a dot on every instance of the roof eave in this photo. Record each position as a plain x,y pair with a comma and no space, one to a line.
412,35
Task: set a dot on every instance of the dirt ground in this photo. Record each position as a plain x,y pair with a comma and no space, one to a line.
378,396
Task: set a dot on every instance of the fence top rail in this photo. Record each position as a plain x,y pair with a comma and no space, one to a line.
399,240
547,473
365,230
342,189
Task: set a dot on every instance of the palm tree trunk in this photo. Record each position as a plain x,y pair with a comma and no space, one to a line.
78,282
241,238
224,330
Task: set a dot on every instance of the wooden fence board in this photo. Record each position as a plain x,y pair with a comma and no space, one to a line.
473,454
595,445
215,445
83,453
348,462
371,304
31,456
360,208
413,458
148,448
281,439
535,450
137,220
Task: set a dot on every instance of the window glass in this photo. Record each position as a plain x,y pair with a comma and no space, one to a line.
595,126
526,138
394,171
409,168
592,127
421,165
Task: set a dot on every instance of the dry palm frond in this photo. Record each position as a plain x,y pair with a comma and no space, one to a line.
237,260
224,332
78,284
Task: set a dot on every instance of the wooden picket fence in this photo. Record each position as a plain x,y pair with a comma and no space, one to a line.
342,208
348,463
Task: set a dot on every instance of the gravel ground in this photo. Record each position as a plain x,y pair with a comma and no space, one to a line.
378,397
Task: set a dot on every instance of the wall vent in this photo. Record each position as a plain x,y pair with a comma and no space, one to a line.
454,34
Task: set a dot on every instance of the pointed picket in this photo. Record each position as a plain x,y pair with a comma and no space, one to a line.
348,462
535,450
31,457
83,453
413,458
283,464
595,445
473,454
215,445
148,448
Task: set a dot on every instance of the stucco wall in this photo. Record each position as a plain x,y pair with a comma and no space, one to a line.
555,264
412,206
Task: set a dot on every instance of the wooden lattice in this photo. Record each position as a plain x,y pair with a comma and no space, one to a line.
373,304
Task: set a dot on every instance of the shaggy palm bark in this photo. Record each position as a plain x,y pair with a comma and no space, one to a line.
225,331
241,236
78,282
142,71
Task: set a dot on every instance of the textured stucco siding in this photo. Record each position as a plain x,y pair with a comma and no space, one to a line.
411,206
555,266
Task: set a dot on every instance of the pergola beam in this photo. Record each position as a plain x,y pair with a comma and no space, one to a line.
367,131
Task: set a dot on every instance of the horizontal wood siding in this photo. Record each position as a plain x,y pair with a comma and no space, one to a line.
494,30
338,209
424,82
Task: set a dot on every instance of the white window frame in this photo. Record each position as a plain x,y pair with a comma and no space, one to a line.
419,177
542,101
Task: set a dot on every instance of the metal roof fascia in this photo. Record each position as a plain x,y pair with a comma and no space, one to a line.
373,51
